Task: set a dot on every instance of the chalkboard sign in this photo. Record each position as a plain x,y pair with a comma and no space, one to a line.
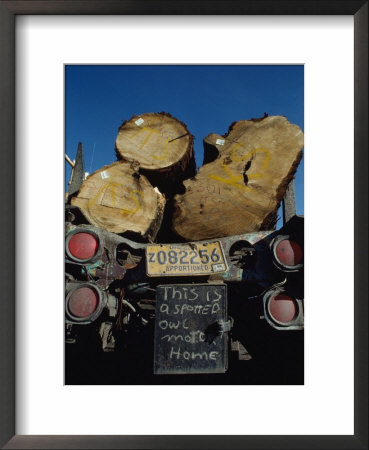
190,325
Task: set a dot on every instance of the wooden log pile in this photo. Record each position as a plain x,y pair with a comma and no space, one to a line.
154,189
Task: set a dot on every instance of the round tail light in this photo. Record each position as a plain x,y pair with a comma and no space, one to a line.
282,308
287,253
82,246
84,303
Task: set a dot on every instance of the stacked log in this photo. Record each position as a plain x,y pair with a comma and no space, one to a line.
117,198
161,146
243,179
154,190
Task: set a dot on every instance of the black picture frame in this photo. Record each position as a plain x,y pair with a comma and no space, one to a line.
8,10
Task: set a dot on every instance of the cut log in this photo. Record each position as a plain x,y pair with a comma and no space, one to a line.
243,179
161,146
118,199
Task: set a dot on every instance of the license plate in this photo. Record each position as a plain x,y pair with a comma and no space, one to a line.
197,258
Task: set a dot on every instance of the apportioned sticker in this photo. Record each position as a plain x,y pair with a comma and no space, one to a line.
197,258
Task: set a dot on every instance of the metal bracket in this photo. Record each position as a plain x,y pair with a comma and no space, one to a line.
289,203
243,354
224,327
77,175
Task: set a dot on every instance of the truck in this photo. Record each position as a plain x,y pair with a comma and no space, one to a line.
227,310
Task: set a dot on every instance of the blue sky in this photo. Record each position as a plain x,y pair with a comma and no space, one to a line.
206,98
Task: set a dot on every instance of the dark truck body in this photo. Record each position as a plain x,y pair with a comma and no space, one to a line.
236,315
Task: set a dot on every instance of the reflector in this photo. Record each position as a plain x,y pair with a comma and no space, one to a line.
288,252
283,308
83,246
83,302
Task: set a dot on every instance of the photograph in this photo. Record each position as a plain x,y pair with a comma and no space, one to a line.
184,224
158,163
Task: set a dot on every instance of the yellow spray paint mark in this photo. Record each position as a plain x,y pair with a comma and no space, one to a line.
133,194
135,197
233,180
237,180
150,132
165,154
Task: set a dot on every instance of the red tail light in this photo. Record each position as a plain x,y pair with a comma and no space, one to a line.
83,302
287,253
82,246
282,308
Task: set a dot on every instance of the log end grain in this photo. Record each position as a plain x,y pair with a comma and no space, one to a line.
118,199
162,147
244,178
